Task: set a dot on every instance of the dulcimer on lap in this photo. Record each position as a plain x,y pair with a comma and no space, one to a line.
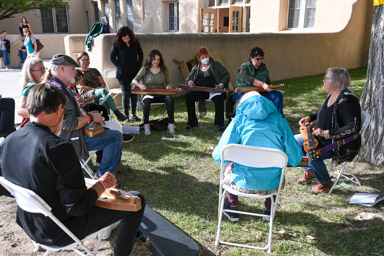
155,91
202,89
258,89
115,199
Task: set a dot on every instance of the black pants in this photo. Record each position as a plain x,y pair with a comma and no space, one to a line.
193,96
98,218
165,99
125,86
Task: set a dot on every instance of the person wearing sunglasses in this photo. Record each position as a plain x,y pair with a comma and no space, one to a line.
255,73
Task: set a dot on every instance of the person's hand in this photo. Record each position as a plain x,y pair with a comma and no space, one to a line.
304,120
318,132
191,83
110,179
142,87
97,117
219,86
168,87
266,87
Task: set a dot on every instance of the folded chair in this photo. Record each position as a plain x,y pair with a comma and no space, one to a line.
253,157
85,165
111,73
342,171
29,201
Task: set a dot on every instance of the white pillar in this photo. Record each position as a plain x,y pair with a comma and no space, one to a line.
123,11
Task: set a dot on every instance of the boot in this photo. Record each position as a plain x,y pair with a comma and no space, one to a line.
307,178
320,188
147,129
135,118
120,116
171,128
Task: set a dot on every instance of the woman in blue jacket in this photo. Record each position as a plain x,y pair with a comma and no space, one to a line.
257,123
127,56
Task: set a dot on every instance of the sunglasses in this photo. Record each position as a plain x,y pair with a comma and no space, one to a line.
257,59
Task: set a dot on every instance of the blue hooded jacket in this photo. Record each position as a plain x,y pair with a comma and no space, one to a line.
258,123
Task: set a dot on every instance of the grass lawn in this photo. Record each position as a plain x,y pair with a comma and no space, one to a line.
181,182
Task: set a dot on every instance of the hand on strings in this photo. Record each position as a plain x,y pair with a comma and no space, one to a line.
318,132
191,83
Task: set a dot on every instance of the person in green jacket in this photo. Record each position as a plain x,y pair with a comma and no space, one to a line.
255,73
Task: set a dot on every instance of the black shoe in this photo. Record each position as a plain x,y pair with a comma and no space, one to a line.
128,137
233,217
120,116
135,118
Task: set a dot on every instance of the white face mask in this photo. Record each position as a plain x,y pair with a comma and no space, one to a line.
205,61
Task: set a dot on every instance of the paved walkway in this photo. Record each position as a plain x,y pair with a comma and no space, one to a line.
10,85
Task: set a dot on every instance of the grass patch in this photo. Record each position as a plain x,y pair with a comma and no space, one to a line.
181,182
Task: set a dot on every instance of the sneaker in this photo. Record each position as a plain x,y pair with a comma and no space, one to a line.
108,230
307,178
135,118
171,128
267,212
232,216
128,137
147,129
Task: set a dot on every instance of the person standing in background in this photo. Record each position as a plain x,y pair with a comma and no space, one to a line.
127,56
5,45
24,24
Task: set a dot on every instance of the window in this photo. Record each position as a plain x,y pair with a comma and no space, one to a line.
96,11
130,14
301,13
117,15
55,20
224,1
106,10
173,14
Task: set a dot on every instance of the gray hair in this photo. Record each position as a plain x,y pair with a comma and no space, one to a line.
340,78
26,75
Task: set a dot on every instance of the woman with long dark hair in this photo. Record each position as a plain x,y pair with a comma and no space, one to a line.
154,75
127,56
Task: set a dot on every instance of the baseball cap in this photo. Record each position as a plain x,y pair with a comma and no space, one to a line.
62,59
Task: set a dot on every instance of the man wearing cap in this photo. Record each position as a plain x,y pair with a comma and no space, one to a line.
62,73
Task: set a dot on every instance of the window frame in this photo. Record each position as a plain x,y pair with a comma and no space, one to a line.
303,15
175,17
54,20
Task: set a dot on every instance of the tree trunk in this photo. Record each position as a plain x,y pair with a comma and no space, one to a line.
372,98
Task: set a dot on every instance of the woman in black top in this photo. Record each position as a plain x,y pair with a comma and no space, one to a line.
338,118
24,24
127,56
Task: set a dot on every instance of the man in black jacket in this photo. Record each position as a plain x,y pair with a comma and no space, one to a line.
49,166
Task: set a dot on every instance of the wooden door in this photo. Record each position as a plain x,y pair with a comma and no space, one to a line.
208,20
235,19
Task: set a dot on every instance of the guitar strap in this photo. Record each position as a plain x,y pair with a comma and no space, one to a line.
339,143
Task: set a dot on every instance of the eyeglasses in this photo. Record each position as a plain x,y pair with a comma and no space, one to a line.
257,59
40,69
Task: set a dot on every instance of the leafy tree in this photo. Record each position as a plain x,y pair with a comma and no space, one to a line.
8,8
372,98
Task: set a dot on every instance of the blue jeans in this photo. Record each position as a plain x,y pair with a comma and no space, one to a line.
275,96
6,58
111,142
317,166
22,56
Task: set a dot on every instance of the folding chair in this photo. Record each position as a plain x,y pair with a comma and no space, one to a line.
343,171
29,201
85,165
253,157
111,73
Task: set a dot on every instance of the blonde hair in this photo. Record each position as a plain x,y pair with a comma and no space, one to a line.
26,75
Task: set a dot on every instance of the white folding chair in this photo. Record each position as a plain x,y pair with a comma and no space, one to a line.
253,157
199,112
85,165
31,202
107,74
342,171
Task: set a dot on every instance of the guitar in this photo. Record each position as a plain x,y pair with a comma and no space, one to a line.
155,91
258,89
115,199
202,89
